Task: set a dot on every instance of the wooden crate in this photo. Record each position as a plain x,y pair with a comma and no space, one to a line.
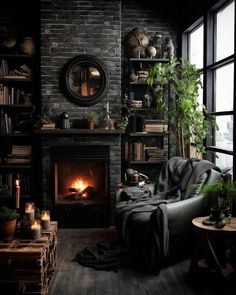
29,264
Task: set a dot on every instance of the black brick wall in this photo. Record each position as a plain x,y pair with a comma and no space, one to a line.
151,18
98,28
73,27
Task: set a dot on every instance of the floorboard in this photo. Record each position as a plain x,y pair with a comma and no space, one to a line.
70,278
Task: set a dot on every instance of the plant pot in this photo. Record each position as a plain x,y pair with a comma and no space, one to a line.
7,229
90,125
216,211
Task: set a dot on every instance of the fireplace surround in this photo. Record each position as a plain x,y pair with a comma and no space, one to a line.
94,152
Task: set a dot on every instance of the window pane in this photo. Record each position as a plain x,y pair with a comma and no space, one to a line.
224,136
223,161
225,32
224,79
200,92
196,47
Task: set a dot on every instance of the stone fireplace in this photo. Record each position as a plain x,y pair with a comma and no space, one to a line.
80,173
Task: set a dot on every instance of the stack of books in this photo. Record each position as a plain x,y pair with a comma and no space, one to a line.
154,153
48,126
21,154
155,126
21,72
142,75
137,104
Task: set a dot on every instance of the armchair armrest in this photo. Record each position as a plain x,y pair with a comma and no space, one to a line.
180,214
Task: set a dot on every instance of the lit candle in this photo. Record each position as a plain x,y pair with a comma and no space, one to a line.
29,211
108,107
45,219
17,193
35,230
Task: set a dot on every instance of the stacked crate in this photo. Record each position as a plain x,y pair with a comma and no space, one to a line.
27,266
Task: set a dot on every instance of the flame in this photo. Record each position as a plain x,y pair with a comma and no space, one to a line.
79,184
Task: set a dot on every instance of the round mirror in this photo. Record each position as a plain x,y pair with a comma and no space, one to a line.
84,80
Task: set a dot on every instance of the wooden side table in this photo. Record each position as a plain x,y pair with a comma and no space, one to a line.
210,233
27,264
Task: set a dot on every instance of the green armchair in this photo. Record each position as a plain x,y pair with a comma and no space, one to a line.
154,221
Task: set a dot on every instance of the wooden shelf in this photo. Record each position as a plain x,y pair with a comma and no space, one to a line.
17,56
147,134
149,60
16,135
74,131
17,107
15,166
149,161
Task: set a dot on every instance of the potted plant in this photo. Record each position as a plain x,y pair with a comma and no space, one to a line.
8,218
91,117
188,120
220,196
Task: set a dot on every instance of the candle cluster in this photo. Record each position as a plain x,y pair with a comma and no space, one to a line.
32,224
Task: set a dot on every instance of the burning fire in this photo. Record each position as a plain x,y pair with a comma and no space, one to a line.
80,185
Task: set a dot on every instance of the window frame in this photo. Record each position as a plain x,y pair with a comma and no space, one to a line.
209,67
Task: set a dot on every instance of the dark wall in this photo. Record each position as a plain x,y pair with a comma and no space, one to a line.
73,27
151,18
92,27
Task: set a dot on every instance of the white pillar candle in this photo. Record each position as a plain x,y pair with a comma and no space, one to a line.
29,211
45,219
35,230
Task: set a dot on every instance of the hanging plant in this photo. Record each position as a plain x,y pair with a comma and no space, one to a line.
187,119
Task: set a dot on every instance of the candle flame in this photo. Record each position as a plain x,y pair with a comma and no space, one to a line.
35,225
17,182
29,207
45,216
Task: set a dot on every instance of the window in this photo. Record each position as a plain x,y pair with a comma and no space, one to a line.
196,46
224,31
218,69
224,88
195,51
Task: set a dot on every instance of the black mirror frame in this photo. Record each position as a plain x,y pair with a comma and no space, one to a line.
79,99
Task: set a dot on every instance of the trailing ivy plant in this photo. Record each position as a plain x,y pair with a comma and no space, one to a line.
187,119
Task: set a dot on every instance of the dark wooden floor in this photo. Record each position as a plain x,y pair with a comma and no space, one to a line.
71,278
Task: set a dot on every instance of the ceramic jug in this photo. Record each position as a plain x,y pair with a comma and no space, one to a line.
28,46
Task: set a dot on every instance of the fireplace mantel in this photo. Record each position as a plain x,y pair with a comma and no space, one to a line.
73,132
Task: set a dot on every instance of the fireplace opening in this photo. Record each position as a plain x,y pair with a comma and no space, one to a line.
81,181
81,185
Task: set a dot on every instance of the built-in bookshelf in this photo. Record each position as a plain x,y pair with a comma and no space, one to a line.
146,140
17,104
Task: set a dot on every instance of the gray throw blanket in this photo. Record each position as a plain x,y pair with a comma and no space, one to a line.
141,220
